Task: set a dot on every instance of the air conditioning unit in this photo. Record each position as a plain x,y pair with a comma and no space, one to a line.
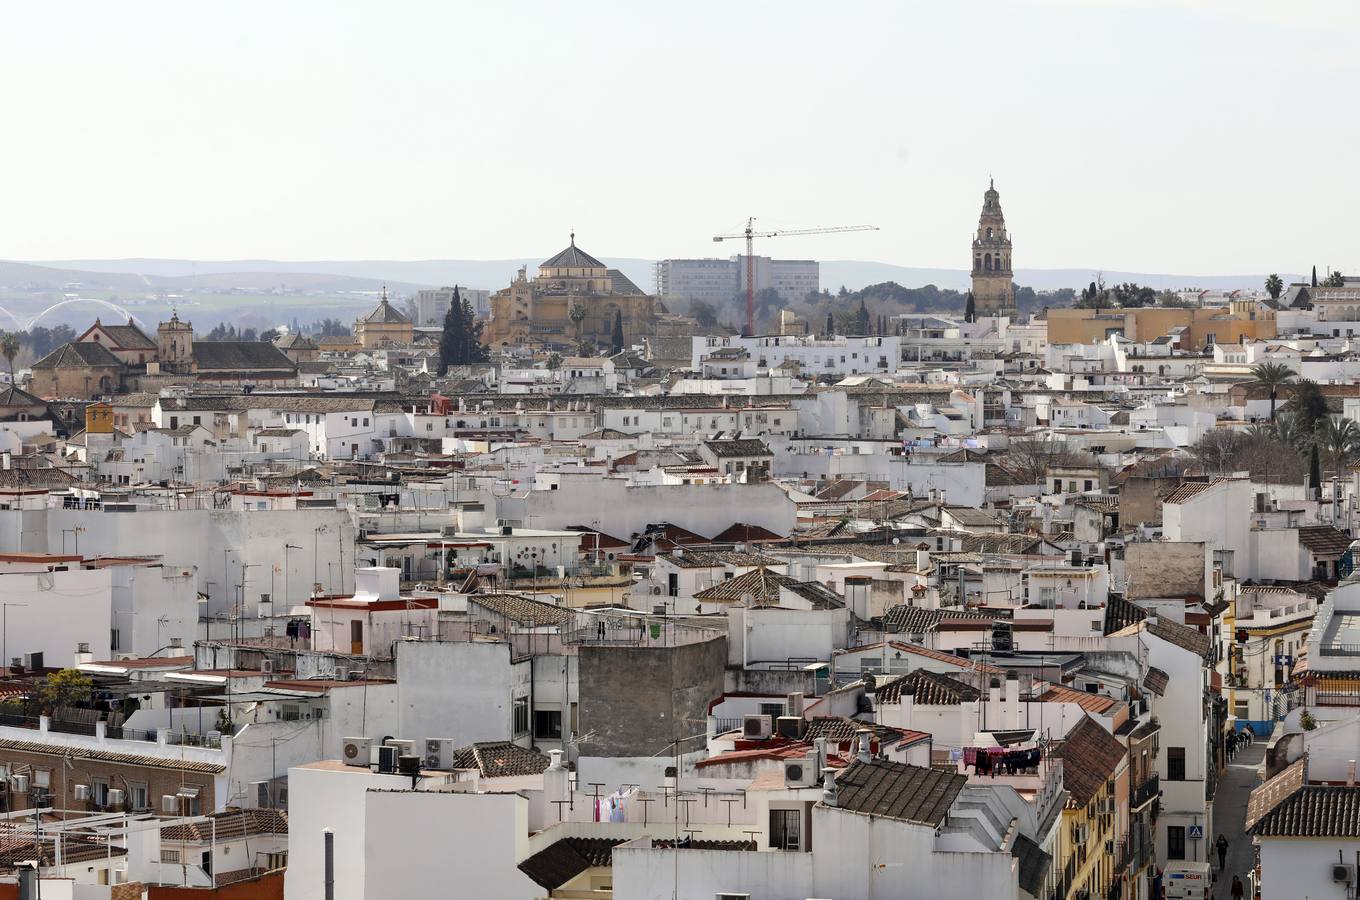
82,792
357,751
800,772
439,753
756,727
170,804
1343,873
789,727
404,748
18,784
656,590
267,667
117,797
342,674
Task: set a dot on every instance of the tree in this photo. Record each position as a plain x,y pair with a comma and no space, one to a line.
1339,441
554,361
474,351
706,314
1030,458
1309,406
862,321
830,325
66,688
616,339
1315,276
1272,375
453,340
1131,295
970,309
1334,279
9,348
1274,286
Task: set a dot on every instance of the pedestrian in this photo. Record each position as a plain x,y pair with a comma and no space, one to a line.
1237,888
1221,845
1232,746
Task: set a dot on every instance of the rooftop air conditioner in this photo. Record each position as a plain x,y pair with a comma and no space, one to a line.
800,772
266,667
82,792
357,751
404,748
1343,873
756,727
116,798
18,784
170,804
439,754
387,759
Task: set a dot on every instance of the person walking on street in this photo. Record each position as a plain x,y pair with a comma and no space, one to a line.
1221,845
1237,888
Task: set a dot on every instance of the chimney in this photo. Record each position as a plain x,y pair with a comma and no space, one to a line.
819,746
829,786
1012,699
556,782
83,654
176,647
922,560
1350,773
862,745
908,705
6,460
857,595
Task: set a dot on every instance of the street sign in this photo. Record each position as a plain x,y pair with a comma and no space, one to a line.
1196,833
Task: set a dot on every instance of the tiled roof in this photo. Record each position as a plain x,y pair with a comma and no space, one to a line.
919,620
1186,491
1324,540
898,791
738,447
1121,613
16,847
386,314
572,258
1314,810
1090,755
230,823
239,356
1181,635
1265,797
930,688
1034,864
129,337
1156,681
131,759
958,662
740,533
1000,543
839,730
763,587
500,759
709,559
78,356
516,608
558,863
1058,693
13,396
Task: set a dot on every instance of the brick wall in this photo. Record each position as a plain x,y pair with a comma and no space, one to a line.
159,781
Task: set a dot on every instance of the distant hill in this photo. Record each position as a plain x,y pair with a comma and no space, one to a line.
405,275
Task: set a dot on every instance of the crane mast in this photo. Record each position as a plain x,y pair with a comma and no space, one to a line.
750,234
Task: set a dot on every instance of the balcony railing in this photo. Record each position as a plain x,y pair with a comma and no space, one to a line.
1340,649
1146,792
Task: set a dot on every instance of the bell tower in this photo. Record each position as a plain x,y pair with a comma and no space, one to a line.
993,287
175,344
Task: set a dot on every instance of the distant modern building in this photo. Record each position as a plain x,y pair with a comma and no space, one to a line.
717,281
431,305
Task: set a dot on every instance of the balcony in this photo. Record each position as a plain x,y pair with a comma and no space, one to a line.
1145,793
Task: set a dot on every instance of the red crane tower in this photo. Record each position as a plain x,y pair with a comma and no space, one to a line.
750,234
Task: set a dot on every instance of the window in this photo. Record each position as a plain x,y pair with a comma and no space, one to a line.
520,715
1241,709
1175,842
170,857
42,778
786,829
548,724
138,795
773,710
1175,765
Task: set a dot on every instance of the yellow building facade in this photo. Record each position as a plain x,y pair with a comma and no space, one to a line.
1205,327
575,298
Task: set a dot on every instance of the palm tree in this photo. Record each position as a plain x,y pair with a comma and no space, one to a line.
577,314
9,348
1290,431
1272,375
1274,286
1339,439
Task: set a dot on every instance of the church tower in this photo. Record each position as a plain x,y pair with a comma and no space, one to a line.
993,290
175,344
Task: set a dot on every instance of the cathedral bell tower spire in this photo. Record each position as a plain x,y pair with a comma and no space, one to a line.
993,284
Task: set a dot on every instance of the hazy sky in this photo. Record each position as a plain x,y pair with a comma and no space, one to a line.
1191,137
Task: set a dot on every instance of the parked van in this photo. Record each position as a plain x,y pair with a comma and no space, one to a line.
1182,880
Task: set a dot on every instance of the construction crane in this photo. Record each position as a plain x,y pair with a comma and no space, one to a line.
750,234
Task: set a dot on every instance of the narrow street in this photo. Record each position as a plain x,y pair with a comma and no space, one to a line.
1230,812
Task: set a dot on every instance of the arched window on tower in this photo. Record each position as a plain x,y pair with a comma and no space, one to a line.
989,233
987,262
977,262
